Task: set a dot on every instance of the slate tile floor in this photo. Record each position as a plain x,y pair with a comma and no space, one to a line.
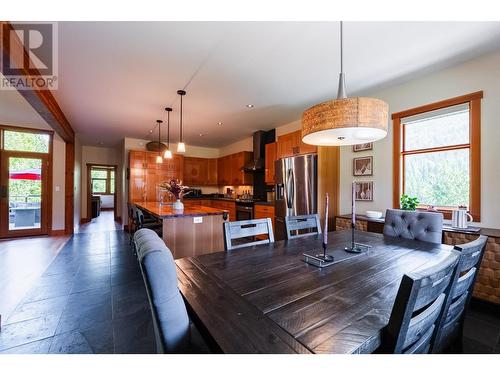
91,299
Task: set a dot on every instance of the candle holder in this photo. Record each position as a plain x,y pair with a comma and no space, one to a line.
319,260
356,247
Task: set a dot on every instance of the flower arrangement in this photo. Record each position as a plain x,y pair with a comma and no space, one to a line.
175,187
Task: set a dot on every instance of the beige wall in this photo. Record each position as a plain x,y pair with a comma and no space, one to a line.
15,111
482,73
77,198
100,155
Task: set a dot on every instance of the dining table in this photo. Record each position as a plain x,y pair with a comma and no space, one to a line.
267,299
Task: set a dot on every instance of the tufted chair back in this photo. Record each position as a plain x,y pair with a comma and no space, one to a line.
414,225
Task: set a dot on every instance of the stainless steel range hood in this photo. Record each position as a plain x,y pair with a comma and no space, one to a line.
258,163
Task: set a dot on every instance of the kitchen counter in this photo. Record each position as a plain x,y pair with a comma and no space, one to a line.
265,203
195,231
167,211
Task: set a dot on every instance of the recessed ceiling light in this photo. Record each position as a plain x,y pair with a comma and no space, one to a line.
151,131
249,105
219,123
201,135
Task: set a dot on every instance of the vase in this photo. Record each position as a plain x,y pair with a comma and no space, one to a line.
178,205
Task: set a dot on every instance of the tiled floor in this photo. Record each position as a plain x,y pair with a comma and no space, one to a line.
91,299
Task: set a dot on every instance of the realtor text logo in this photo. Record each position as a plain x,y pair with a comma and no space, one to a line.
29,58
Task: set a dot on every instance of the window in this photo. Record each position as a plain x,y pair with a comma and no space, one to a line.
437,154
26,141
103,180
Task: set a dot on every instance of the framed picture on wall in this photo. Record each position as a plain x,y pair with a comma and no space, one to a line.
362,166
363,147
364,191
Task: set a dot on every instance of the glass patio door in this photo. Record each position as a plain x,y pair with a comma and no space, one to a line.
23,194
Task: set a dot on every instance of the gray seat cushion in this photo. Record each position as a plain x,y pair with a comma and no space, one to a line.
414,225
167,301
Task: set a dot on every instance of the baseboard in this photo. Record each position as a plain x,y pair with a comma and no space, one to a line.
84,220
59,232
118,219
107,209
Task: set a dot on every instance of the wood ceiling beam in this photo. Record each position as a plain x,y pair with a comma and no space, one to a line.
42,101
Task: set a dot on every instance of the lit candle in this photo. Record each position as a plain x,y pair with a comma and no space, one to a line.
325,232
353,205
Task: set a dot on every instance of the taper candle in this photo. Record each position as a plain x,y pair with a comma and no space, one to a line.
325,232
353,204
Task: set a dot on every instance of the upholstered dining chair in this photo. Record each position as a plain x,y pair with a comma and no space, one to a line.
244,233
417,308
295,224
449,332
414,225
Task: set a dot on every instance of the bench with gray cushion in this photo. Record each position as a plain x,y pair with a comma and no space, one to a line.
416,310
173,331
414,225
449,333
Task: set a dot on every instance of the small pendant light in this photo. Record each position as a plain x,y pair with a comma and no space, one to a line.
181,146
345,120
159,159
168,153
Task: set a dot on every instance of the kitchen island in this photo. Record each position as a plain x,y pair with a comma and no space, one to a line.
196,230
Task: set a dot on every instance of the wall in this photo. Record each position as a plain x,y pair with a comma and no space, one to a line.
16,111
99,155
482,73
78,187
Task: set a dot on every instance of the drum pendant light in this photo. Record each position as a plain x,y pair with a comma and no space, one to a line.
345,121
159,159
168,153
181,146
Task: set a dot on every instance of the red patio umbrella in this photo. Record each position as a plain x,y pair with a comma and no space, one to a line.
26,174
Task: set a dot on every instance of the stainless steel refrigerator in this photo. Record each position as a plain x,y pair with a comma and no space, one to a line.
296,189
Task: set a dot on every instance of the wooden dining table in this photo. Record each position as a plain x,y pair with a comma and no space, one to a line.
266,299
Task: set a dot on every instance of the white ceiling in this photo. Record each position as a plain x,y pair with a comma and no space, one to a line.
115,78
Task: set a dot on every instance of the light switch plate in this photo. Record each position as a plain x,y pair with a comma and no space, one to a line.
198,219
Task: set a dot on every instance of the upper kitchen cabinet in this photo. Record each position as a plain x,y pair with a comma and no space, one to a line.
271,152
291,145
200,171
145,174
238,175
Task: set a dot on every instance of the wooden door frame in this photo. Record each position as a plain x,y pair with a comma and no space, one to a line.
46,196
89,190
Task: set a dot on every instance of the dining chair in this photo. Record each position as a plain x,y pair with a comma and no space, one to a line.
244,232
174,332
417,307
414,225
449,332
295,224
142,222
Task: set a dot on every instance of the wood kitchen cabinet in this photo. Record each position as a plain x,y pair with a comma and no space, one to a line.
200,171
271,151
262,211
291,144
238,175
145,174
212,172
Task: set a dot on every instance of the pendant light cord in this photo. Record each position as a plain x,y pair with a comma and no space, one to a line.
181,120
159,137
168,130
341,49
